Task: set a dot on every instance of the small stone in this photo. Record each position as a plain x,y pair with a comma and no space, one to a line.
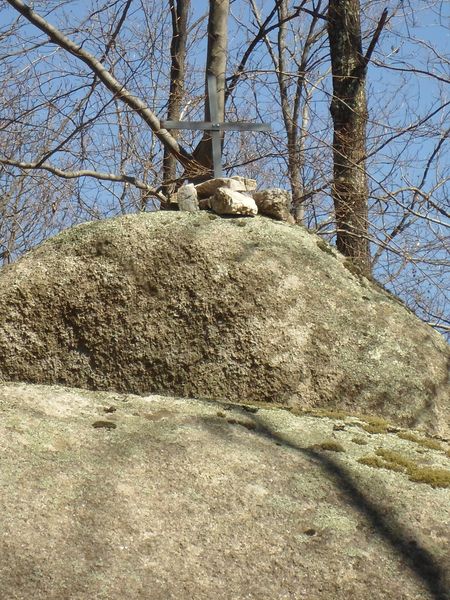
187,198
274,203
209,188
310,532
229,202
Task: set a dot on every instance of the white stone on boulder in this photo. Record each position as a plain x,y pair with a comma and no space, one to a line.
187,198
274,203
229,202
236,183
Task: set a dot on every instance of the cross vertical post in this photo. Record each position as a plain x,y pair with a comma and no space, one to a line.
216,136
215,127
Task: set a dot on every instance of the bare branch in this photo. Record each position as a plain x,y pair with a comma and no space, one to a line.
376,35
264,30
114,86
409,69
112,41
64,174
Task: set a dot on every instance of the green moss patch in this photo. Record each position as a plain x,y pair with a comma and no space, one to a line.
394,461
370,423
359,440
104,425
379,463
329,446
374,428
421,441
375,424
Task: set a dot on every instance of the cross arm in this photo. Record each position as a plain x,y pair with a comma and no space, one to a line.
210,126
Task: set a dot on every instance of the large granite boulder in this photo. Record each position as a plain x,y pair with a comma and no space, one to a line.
236,309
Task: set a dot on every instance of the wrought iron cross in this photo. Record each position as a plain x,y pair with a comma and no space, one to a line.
215,127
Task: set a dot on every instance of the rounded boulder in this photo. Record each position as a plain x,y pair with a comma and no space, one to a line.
235,309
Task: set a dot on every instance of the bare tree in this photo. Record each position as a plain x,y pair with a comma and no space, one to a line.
216,64
292,53
117,88
179,10
349,113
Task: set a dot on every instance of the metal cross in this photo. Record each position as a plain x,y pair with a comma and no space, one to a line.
215,127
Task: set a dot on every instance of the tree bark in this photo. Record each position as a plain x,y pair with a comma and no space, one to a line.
349,114
180,11
216,64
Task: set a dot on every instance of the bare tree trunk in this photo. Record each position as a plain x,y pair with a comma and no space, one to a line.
290,116
216,64
349,113
289,69
180,11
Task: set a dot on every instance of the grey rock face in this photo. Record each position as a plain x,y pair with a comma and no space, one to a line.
191,304
205,203
248,184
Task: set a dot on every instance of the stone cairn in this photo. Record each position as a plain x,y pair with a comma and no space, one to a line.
234,196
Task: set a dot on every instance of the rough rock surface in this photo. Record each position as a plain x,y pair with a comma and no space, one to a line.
229,202
187,198
186,499
228,308
274,203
